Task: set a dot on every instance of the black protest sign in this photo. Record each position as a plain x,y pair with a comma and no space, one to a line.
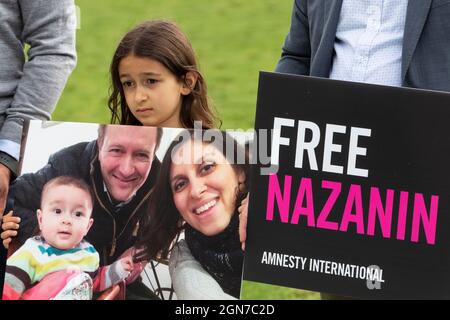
354,198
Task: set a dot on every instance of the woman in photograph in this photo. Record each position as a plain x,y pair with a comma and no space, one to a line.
198,191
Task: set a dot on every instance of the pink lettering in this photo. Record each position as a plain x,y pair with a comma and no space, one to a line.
282,201
354,200
384,214
304,190
402,211
420,214
329,204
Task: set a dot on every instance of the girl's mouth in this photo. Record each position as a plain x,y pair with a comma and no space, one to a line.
143,110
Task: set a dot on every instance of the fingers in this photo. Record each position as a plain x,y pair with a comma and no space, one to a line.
243,217
10,222
6,243
9,214
129,266
243,227
12,225
127,263
7,237
242,231
8,234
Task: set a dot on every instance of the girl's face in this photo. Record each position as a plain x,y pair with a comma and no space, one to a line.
152,92
204,187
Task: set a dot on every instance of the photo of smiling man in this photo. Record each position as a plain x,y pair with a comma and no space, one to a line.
120,168
163,209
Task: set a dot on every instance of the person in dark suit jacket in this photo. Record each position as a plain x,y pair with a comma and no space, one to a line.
404,43
316,26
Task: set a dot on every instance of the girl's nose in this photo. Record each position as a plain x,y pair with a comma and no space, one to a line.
140,94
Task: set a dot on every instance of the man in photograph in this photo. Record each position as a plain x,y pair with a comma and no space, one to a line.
120,167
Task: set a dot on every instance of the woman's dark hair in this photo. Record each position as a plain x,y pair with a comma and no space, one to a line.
163,222
164,42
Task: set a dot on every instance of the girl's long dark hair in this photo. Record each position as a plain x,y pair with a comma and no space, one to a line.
164,42
163,222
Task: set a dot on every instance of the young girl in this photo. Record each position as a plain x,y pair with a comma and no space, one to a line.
155,80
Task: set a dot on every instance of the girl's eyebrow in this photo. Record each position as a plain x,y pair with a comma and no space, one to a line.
150,74
153,74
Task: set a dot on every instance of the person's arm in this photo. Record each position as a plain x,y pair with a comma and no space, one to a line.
49,29
296,52
108,276
190,281
13,287
5,178
19,272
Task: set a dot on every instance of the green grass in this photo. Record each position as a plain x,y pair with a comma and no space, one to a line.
259,291
233,39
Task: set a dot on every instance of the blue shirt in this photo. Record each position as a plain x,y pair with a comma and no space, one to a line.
10,147
369,40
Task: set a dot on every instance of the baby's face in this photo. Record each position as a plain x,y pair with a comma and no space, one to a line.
65,216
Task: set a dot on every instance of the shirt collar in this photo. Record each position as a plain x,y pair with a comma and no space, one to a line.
116,204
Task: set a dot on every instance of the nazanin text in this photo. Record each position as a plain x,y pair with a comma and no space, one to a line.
414,211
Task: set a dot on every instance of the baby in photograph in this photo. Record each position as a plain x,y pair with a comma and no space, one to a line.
59,263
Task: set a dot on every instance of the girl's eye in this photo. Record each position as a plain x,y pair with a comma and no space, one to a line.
152,81
127,84
57,211
78,214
